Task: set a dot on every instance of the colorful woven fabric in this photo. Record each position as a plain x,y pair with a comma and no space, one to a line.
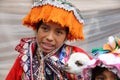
27,65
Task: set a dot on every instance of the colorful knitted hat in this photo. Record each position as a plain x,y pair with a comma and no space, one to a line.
108,57
58,11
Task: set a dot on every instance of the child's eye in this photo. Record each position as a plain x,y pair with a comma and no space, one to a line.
44,28
59,32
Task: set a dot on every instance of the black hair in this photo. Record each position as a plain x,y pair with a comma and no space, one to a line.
38,25
67,30
97,71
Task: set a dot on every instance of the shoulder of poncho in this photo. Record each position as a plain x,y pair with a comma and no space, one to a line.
24,42
76,49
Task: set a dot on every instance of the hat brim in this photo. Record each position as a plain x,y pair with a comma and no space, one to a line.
61,16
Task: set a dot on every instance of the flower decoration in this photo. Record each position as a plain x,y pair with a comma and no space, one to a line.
112,46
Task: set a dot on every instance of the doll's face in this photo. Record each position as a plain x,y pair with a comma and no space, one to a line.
106,75
50,36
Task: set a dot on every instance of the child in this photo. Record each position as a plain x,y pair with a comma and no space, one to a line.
106,62
43,56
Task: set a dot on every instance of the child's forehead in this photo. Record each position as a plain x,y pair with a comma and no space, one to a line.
108,72
53,25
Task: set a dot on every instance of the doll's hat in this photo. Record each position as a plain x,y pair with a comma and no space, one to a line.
58,11
108,57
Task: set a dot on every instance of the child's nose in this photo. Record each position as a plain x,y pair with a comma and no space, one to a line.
50,36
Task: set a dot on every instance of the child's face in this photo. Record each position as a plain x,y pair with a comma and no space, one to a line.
50,36
106,75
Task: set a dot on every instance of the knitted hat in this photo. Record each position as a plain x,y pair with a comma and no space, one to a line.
105,57
57,11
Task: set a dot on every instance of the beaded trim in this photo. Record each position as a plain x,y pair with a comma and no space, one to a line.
61,4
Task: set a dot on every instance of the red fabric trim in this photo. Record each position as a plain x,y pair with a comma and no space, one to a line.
77,49
19,47
16,71
72,76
